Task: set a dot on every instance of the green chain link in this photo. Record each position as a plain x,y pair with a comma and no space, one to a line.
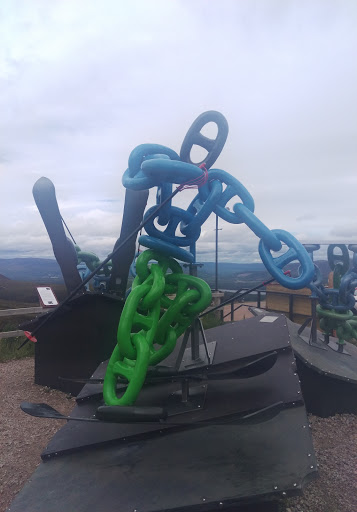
343,323
160,307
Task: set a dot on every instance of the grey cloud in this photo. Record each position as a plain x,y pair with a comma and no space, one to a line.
81,88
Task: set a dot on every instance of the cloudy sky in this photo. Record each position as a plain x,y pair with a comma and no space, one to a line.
84,82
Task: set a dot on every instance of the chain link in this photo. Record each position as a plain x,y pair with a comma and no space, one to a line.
146,334
334,311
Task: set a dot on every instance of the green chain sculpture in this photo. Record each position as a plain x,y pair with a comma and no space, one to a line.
160,307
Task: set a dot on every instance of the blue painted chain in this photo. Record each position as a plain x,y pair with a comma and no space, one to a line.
341,296
153,165
335,304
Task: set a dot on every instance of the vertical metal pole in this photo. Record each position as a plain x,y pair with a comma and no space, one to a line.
185,391
216,284
291,307
258,301
195,341
313,335
232,311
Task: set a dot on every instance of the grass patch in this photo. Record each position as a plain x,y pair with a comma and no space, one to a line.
211,320
9,346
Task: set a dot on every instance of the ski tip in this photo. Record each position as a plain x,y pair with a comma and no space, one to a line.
40,410
30,337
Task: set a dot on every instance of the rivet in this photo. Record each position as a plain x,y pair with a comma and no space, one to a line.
284,493
295,485
221,503
275,487
312,467
309,454
203,499
304,426
298,392
199,406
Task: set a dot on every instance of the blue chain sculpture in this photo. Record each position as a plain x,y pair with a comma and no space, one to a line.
153,165
141,327
335,304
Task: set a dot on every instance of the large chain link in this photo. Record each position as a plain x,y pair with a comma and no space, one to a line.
161,306
334,311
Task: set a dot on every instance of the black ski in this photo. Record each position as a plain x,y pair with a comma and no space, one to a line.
132,414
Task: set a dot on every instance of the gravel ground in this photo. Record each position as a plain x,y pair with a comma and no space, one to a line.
22,439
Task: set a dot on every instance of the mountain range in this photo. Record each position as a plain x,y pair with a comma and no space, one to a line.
231,276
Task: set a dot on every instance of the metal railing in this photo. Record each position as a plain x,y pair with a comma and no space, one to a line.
243,292
17,312
233,309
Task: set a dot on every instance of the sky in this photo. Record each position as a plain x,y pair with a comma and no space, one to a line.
82,83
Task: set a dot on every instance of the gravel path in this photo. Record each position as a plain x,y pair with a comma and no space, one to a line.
22,439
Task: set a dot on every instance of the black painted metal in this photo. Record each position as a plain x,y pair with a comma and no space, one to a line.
151,467
328,378
81,332
75,340
223,397
135,204
200,470
324,395
44,194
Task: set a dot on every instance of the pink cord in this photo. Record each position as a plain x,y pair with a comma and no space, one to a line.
196,182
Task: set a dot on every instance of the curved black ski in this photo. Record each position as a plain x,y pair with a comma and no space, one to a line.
132,414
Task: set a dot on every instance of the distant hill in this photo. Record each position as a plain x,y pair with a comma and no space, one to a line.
231,276
322,264
41,270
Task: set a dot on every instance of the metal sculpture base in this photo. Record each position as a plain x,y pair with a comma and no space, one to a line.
205,355
318,343
153,467
187,399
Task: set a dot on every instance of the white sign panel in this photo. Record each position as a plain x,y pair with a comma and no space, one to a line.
47,297
268,319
